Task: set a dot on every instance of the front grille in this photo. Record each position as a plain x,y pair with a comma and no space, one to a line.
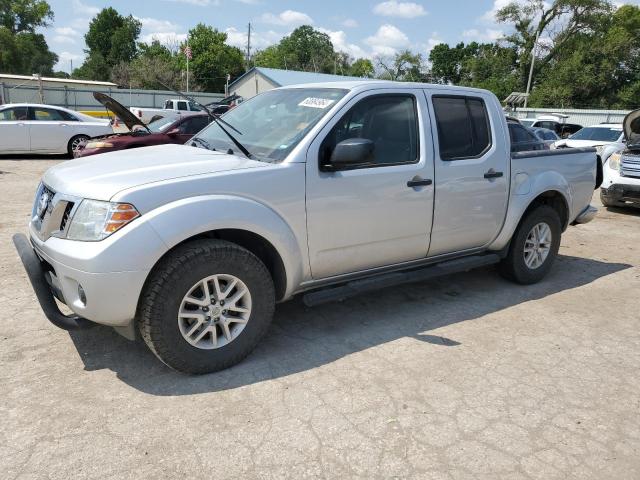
65,215
630,165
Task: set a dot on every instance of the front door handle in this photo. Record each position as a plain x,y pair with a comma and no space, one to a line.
417,181
493,174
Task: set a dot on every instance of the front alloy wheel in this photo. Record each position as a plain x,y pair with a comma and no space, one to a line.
214,311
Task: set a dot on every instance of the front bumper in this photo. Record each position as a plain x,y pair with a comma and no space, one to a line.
105,298
622,193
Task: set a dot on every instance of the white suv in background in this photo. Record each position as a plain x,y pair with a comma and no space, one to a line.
621,173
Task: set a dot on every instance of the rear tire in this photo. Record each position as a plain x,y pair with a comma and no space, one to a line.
534,246
74,142
183,276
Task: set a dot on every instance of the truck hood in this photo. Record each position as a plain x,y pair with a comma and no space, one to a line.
631,126
100,177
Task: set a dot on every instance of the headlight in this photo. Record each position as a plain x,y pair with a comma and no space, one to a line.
95,220
99,145
614,161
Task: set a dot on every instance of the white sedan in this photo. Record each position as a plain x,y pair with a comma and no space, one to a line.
33,128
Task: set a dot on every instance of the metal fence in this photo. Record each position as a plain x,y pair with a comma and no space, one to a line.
82,98
581,117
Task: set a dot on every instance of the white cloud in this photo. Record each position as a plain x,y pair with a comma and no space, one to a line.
350,23
288,18
197,3
340,43
259,40
488,35
157,25
387,40
393,8
63,39
169,39
65,35
84,10
65,58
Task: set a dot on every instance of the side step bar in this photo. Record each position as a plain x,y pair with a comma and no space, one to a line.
385,280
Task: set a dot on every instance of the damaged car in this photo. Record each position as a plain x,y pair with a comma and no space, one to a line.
159,132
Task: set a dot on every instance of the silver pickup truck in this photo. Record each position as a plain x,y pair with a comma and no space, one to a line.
323,190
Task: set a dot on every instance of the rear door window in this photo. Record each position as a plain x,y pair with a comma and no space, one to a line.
182,105
463,126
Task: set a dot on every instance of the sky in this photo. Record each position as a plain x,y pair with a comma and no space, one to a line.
361,28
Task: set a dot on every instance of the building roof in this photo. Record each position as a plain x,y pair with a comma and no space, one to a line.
283,78
25,78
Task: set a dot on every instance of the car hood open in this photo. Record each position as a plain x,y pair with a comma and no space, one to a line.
631,126
122,112
100,177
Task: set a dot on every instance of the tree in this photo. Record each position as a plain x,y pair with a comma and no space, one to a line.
22,51
557,22
212,59
154,66
362,67
19,16
403,66
111,40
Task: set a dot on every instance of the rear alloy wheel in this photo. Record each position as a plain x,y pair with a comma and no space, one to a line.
534,246
75,143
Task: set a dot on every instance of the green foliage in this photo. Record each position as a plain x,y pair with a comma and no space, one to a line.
212,58
111,39
362,67
24,15
22,51
404,66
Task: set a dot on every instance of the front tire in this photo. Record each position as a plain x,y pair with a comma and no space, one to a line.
206,306
533,247
610,203
74,143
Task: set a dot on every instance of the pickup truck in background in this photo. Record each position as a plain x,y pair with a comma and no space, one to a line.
322,190
174,108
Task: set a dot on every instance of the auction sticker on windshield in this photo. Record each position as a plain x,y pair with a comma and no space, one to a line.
315,102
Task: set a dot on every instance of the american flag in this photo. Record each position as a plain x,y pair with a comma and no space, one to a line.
187,52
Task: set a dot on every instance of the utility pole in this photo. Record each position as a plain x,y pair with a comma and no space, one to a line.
40,91
249,47
533,60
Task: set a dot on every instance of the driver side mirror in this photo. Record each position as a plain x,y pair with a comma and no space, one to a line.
351,153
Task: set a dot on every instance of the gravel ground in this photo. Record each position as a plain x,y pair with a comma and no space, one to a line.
464,377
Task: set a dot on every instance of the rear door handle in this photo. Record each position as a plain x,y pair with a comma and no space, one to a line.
418,182
493,174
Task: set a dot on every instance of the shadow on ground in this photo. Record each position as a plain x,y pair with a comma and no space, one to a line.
302,338
630,210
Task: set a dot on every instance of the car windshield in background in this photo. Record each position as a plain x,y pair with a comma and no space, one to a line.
270,125
527,123
601,134
160,125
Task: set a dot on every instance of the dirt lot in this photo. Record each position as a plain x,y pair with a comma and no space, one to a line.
466,377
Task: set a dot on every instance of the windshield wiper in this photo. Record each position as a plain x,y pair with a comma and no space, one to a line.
202,142
213,117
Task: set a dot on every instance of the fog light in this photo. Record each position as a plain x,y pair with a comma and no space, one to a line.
81,295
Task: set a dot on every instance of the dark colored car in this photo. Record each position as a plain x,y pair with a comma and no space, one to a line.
523,140
158,132
224,105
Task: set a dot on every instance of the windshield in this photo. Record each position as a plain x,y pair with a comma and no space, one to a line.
270,125
600,134
160,125
527,123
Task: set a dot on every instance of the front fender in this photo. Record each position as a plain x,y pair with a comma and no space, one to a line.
178,221
525,189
